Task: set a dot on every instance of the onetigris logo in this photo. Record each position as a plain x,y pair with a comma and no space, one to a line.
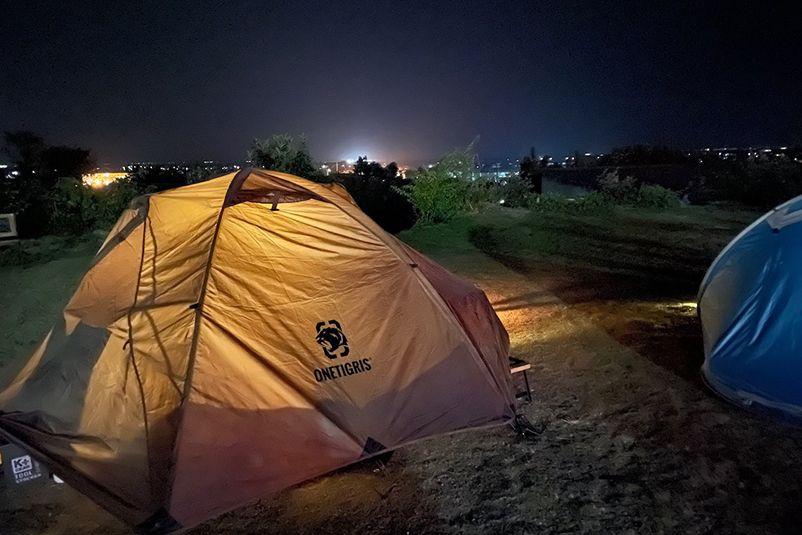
332,339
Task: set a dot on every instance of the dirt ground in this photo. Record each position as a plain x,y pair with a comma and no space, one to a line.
632,442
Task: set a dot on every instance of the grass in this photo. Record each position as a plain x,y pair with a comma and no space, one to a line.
634,272
34,292
658,247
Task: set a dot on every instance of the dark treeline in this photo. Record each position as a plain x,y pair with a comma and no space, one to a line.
701,177
44,184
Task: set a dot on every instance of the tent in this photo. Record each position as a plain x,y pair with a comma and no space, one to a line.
241,335
750,305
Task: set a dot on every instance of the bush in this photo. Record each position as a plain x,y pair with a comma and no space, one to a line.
112,200
437,195
760,184
621,190
450,186
480,192
514,192
73,207
657,197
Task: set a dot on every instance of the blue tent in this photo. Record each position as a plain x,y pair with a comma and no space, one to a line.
750,305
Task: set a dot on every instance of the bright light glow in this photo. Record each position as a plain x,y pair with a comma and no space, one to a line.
101,180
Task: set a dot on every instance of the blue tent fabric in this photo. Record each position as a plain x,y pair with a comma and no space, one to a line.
750,305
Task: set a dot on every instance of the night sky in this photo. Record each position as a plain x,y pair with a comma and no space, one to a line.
399,80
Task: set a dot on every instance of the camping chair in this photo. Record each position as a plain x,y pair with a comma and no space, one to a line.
518,366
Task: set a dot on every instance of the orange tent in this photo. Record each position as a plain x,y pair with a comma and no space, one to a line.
241,335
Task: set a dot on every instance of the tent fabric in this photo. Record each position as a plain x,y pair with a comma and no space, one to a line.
750,305
241,335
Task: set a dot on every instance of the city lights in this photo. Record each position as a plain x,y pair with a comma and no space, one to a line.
101,180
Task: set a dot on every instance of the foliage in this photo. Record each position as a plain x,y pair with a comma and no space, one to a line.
760,184
531,171
283,152
39,168
149,179
622,190
459,164
445,189
627,191
378,192
199,172
657,197
72,207
76,208
514,192
438,194
112,200
650,197
481,192
374,171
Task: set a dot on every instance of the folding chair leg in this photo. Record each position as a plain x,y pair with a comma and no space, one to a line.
528,390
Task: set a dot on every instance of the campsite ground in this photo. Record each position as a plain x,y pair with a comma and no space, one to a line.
601,305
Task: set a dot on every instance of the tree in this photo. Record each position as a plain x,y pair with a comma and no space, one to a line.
442,191
25,148
33,156
375,172
377,191
151,179
459,163
532,172
643,155
39,167
283,152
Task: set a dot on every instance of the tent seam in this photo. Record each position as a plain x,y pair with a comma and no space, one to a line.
133,354
236,183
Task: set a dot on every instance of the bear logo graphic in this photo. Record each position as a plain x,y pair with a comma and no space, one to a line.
332,339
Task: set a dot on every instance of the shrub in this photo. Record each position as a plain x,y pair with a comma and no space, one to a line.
437,195
514,191
72,207
112,200
622,190
595,201
481,192
657,197
761,184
